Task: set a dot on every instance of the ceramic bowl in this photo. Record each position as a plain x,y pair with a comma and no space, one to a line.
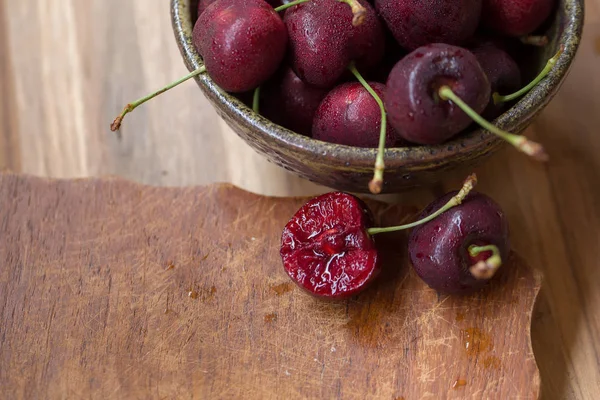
350,168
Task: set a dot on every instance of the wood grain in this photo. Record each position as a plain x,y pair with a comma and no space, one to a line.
9,145
115,290
68,66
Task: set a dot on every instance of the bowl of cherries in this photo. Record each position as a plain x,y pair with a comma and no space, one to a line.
377,96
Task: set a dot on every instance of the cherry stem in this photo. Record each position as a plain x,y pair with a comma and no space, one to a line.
376,183
522,144
534,40
358,11
468,185
549,65
116,125
485,269
256,100
290,4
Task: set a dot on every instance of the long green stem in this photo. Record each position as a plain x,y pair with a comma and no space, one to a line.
290,4
468,185
485,269
523,144
132,106
376,183
549,65
256,100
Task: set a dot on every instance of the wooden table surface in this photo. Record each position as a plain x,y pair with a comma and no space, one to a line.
68,66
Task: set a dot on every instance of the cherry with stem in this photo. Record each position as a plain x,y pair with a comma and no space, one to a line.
437,91
359,14
376,183
520,142
456,200
498,99
461,250
116,124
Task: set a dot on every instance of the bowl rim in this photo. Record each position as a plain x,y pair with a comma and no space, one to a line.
476,142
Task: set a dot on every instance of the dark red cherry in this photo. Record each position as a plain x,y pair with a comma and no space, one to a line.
502,72
412,102
439,249
323,40
393,54
415,23
203,4
242,43
289,102
349,115
325,247
515,17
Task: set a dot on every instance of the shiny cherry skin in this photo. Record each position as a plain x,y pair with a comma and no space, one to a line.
242,43
502,72
413,106
288,101
349,115
203,4
438,249
515,17
323,41
415,23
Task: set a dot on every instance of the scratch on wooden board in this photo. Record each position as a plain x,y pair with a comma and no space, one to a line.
428,374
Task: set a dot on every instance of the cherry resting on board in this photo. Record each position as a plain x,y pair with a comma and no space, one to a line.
328,249
460,251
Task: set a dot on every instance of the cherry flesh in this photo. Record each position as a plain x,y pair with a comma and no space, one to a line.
289,102
350,116
502,72
439,249
415,23
326,249
515,17
242,43
414,108
323,40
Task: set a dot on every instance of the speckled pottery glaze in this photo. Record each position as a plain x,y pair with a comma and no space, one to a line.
349,168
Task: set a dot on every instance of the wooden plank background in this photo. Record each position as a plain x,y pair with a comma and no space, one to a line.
68,66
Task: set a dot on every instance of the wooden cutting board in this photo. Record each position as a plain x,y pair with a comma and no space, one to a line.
109,289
